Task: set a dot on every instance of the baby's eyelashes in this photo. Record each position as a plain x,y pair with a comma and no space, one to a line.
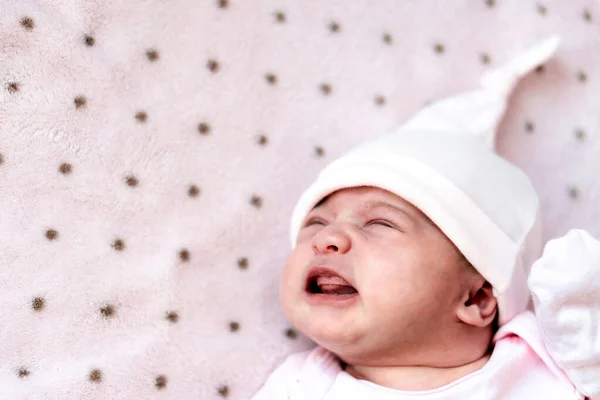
314,221
383,223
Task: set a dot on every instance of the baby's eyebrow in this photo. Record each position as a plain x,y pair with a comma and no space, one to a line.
372,205
382,204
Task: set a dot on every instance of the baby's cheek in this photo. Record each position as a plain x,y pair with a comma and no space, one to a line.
292,278
396,287
399,274
288,293
289,280
382,292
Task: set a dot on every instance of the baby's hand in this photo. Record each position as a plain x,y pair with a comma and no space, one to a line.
565,285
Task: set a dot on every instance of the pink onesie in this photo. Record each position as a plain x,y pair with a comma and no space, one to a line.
520,368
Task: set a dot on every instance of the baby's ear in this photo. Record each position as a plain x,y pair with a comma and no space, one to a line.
479,307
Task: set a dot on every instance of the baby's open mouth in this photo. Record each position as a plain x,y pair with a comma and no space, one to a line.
328,283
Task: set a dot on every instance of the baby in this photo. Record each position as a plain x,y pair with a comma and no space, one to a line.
410,261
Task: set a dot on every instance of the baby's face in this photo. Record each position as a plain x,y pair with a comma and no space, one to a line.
371,276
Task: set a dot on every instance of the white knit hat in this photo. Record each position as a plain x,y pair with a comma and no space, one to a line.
442,161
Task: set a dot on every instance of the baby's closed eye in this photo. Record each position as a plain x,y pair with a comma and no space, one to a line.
315,221
382,223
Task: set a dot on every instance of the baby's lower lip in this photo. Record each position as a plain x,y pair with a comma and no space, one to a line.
338,301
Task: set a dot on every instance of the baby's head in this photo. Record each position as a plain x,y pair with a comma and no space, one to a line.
410,248
373,279
408,251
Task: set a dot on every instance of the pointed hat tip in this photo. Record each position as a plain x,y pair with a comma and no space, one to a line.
478,112
503,79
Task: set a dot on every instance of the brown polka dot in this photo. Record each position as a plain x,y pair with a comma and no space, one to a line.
271,78
485,58
319,151
387,38
529,126
184,255
27,23
223,390
141,116
540,69
1,159
573,192
262,140
234,326
131,180
89,40
107,311
490,3
542,9
95,376
325,88
203,128
243,263
213,66
160,382
51,234
13,87
223,3
172,316
152,54
256,201
587,15
23,372
280,17
193,191
79,101
334,26
291,333
439,48
118,245
380,100
38,303
580,134
582,76
65,168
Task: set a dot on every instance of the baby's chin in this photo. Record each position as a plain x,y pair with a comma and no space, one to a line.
331,335
350,341
331,328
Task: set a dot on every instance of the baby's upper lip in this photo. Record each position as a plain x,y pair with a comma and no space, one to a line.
321,270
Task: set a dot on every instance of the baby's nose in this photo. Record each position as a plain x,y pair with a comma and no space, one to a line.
331,239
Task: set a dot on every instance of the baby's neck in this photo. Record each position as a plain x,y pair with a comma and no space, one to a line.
414,378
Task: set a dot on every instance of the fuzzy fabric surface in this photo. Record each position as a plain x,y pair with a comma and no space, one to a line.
151,153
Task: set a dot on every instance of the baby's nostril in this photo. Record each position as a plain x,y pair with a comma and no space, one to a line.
332,247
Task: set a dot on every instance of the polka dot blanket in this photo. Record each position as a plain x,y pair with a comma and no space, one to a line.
151,153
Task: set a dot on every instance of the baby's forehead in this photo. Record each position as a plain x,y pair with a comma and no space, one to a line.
367,198
363,196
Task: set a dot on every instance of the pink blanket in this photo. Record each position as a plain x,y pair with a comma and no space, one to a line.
151,152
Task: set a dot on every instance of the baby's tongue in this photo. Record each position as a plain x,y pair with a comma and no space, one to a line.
334,285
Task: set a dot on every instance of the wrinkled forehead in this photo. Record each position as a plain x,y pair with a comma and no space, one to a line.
367,197
362,195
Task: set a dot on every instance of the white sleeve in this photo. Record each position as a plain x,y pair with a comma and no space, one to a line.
277,385
565,285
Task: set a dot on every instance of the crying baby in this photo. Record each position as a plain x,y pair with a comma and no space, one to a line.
374,280
409,265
